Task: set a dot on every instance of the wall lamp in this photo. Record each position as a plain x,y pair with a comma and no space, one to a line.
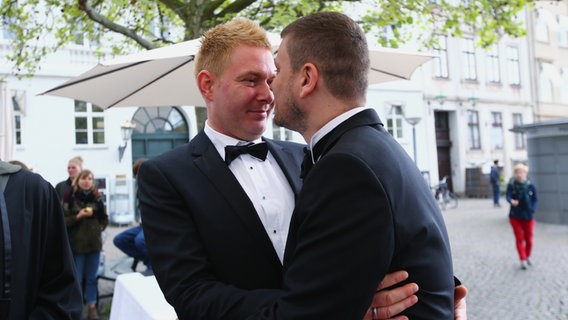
126,129
473,100
441,97
413,121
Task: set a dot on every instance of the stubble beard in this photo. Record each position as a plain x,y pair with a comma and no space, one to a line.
294,118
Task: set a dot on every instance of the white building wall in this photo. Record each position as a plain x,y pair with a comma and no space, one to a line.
48,123
457,95
408,95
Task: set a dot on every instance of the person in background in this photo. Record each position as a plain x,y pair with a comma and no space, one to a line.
495,180
86,218
37,273
74,166
21,164
131,241
521,194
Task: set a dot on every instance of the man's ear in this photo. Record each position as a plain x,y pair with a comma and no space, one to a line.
205,82
309,76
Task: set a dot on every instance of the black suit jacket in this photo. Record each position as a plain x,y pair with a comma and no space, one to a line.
205,239
364,210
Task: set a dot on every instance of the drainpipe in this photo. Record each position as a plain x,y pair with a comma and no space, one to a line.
533,74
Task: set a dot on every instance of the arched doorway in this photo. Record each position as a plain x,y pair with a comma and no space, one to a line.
158,129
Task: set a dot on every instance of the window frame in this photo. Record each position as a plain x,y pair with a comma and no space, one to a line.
474,138
395,121
497,127
92,132
441,63
519,137
493,65
513,66
469,60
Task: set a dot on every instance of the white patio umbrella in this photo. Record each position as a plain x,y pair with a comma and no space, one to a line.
7,126
164,76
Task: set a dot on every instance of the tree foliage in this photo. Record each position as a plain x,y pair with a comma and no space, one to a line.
39,27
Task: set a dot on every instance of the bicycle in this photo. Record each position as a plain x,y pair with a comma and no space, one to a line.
445,198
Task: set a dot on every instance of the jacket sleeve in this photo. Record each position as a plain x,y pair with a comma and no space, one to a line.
533,198
334,270
509,194
58,295
102,215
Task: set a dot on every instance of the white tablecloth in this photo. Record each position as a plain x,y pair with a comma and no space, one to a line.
139,297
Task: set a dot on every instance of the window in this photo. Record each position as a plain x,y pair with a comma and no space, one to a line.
82,38
441,61
562,31
513,67
281,133
78,35
496,131
159,120
519,136
493,70
6,32
18,105
564,84
541,25
548,74
394,122
89,124
387,35
473,128
468,54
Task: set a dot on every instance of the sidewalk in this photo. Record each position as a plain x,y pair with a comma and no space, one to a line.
485,260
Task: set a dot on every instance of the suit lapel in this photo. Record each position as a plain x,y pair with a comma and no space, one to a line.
287,163
366,117
208,160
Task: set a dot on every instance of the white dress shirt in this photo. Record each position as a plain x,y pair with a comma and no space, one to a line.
266,186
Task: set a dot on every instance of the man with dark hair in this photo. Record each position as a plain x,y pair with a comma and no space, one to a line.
495,180
364,209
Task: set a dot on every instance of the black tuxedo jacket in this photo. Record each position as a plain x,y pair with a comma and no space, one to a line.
209,250
364,210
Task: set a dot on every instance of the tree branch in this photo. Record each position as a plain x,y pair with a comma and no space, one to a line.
95,16
236,6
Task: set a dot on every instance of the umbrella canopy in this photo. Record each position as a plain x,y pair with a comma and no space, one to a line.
164,76
7,136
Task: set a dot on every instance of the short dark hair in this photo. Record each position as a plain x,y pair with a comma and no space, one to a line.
336,45
495,162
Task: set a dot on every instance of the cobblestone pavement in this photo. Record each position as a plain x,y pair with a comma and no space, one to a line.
485,260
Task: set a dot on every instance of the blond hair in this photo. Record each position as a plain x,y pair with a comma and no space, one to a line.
78,160
218,44
521,167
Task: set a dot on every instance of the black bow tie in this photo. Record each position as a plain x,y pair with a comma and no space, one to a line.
307,164
313,155
258,150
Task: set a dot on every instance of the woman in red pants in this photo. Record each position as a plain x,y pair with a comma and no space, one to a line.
521,194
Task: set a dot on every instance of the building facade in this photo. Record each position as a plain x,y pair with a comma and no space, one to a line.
453,117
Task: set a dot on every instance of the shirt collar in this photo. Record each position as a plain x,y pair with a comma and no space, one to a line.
220,140
332,125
